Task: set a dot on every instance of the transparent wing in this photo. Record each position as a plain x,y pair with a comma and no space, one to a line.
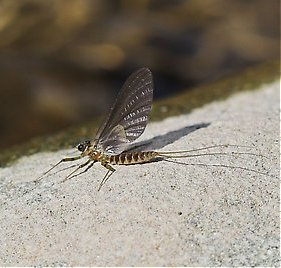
128,116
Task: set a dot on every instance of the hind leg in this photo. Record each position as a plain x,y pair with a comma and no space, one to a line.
109,172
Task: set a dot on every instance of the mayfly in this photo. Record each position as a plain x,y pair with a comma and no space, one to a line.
125,122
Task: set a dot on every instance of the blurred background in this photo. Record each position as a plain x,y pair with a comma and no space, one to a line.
62,62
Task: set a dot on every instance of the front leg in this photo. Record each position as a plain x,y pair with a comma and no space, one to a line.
67,159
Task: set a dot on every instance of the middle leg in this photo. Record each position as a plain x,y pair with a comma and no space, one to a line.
80,166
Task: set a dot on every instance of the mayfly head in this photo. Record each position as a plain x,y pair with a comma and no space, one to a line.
84,145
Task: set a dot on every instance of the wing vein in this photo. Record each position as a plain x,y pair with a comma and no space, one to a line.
128,116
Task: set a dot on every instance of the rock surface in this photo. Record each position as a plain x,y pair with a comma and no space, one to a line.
160,213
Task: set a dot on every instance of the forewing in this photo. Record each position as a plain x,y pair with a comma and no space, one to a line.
128,116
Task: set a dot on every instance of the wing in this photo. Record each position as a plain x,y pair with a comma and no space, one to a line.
128,116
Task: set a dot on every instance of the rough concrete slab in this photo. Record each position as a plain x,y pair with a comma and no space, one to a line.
160,213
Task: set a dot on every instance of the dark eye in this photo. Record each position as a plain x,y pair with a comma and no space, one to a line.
81,147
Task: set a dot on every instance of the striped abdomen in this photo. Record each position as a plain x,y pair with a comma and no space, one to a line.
131,158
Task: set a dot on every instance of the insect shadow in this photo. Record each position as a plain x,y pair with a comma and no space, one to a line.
161,141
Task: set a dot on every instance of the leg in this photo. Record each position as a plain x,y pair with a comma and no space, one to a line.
61,161
84,171
80,166
107,175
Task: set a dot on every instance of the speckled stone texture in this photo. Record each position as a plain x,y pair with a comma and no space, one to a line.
161,213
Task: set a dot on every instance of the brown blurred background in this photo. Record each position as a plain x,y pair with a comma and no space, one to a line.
62,62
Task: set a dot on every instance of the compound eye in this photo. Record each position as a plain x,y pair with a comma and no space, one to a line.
81,147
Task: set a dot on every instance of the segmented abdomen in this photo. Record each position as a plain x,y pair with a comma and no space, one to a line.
131,158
